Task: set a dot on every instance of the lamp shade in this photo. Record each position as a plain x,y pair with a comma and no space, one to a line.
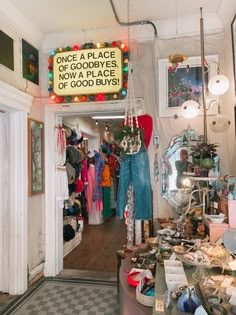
190,109
219,123
218,85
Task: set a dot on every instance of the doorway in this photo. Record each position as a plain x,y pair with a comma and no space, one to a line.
53,206
92,251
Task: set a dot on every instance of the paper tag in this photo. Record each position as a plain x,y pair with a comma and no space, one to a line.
172,257
232,265
218,278
226,282
159,306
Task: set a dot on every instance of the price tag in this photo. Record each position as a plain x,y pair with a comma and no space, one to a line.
160,306
226,282
232,265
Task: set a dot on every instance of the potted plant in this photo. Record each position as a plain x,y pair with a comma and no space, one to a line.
203,154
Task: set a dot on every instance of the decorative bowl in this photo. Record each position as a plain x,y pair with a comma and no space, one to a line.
216,218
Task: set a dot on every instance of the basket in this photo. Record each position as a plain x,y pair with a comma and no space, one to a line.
143,299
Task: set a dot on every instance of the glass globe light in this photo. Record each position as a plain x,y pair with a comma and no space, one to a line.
219,123
218,85
190,109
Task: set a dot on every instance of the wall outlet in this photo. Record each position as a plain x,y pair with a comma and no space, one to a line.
156,140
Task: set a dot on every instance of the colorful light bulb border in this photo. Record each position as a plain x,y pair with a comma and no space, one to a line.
90,97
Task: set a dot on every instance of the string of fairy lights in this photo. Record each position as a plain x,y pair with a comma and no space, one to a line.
90,97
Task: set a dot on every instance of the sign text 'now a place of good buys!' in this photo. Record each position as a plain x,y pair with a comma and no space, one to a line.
88,71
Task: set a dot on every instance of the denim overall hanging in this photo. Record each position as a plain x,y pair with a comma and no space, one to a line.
134,167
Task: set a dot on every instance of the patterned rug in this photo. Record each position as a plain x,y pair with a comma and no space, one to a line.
67,296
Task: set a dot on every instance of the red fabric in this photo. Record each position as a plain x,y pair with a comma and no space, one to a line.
131,277
146,124
84,171
112,165
79,186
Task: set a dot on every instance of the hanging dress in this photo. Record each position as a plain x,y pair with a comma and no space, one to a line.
61,179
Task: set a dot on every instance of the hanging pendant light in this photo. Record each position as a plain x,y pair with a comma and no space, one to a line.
220,122
190,109
218,85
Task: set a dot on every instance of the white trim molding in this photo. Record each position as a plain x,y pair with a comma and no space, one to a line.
17,104
53,211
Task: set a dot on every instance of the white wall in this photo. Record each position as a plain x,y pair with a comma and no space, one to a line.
23,29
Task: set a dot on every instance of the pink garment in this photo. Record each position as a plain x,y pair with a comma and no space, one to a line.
84,171
90,189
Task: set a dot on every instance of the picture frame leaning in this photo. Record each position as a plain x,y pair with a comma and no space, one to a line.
174,88
36,156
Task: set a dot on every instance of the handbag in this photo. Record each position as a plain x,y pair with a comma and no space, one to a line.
130,139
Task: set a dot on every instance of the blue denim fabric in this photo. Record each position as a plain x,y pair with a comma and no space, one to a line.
135,168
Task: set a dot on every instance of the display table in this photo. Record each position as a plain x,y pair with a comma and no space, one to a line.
161,288
127,294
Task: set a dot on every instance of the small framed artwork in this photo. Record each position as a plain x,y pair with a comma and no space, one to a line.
233,32
30,62
185,83
36,156
6,51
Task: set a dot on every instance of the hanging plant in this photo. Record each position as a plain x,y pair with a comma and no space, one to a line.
129,138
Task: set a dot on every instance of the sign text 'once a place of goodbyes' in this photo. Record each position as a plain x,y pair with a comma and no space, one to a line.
88,71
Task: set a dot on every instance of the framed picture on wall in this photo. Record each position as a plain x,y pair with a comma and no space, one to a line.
233,32
30,62
6,51
176,87
36,154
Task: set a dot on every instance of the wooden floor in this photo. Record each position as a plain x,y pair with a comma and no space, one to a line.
98,246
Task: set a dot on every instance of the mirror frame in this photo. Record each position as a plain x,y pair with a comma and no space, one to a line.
186,139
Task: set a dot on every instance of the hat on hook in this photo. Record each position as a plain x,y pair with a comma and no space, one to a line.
90,153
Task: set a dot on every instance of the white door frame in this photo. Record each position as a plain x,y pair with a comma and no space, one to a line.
14,232
53,216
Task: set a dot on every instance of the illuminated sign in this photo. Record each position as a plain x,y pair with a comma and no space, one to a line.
88,74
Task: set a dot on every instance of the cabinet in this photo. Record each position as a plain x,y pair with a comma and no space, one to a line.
228,207
215,230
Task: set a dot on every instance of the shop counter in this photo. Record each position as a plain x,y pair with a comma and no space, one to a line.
127,294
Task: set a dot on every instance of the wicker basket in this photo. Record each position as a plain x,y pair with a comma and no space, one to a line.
144,299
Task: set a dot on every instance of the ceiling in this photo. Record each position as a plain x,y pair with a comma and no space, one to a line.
58,16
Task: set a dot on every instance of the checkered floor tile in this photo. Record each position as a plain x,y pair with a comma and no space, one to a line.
67,297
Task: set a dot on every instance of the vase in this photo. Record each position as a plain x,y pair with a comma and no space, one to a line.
207,163
204,172
189,301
